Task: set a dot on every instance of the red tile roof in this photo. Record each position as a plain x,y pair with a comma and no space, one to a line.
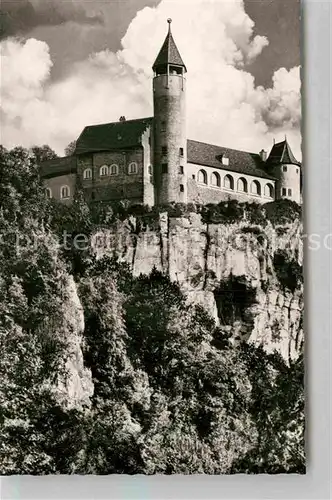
108,136
209,155
58,166
117,135
281,153
169,54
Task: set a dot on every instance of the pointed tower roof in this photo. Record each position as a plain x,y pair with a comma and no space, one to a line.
169,53
282,153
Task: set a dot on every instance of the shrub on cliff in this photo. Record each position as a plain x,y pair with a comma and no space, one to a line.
152,358
167,380
234,296
289,272
283,212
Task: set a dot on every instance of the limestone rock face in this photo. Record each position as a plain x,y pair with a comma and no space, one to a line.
198,256
76,386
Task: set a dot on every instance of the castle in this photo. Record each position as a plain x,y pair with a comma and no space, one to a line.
150,160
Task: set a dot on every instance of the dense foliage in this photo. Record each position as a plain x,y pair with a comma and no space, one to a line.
172,394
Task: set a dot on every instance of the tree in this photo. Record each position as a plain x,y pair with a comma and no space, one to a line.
43,153
70,149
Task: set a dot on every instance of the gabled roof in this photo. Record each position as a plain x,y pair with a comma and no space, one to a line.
108,136
209,155
169,53
282,153
58,167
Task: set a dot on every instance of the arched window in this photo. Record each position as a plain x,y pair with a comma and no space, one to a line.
228,182
242,185
87,174
256,188
132,169
48,193
215,179
114,169
202,177
65,192
268,191
103,171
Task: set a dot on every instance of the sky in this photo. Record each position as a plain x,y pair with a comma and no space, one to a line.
69,63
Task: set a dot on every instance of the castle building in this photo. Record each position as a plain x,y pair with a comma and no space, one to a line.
151,161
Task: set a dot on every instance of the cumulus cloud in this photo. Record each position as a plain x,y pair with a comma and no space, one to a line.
20,16
216,40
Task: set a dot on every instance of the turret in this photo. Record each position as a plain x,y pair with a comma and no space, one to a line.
287,170
170,140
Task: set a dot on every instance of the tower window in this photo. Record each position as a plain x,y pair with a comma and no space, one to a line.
194,176
181,188
181,151
284,168
289,192
181,170
297,170
132,169
284,192
163,126
150,169
164,150
164,168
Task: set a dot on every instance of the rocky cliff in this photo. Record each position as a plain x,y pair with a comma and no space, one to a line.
199,256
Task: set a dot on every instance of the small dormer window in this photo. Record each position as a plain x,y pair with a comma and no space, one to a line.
225,160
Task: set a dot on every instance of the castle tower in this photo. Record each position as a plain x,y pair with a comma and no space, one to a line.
287,170
170,140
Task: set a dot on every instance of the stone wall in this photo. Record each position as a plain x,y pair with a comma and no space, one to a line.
199,192
120,186
56,183
288,176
